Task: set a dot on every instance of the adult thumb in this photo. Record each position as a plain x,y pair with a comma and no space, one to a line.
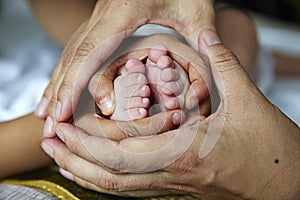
227,71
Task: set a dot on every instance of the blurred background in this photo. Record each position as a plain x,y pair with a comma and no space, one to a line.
28,56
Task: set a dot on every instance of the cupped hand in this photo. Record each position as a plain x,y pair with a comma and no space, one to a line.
138,47
246,149
110,23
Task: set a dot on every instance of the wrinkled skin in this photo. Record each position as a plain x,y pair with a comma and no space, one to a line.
235,163
97,39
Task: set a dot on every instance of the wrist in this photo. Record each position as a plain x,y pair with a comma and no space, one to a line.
278,175
270,167
286,183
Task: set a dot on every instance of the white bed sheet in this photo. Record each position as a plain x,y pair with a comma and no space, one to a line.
28,56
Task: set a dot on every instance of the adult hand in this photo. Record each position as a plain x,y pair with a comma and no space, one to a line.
246,149
110,23
137,47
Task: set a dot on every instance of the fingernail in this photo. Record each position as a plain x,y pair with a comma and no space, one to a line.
41,108
176,119
66,174
106,104
48,127
60,134
48,150
58,110
210,37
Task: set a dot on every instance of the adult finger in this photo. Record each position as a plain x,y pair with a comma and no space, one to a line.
42,107
197,92
95,175
200,16
101,84
142,192
226,69
232,84
118,130
134,154
98,42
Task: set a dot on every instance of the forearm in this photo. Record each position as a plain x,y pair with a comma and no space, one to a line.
20,146
60,18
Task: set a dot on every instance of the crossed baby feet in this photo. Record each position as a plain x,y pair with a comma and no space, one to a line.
146,89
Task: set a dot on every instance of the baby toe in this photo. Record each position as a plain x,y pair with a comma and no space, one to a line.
136,102
156,52
136,113
134,65
169,74
172,88
134,79
138,91
164,62
172,103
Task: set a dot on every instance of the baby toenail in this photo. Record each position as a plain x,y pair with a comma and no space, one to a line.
145,100
141,111
144,87
173,103
176,119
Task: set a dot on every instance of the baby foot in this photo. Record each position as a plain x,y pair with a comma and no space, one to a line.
167,80
131,92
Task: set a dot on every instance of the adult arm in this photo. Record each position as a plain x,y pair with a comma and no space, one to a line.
247,149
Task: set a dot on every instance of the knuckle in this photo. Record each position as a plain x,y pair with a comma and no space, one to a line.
63,161
76,149
49,89
226,61
85,48
158,125
67,58
186,163
131,130
67,87
107,182
51,107
52,102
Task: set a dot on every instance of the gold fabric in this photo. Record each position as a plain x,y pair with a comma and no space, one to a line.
51,181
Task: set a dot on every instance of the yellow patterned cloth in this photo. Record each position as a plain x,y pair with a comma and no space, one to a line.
51,181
